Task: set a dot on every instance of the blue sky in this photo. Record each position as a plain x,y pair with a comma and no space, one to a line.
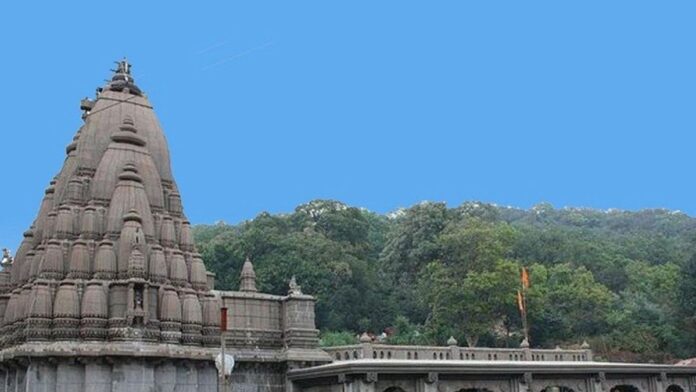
267,105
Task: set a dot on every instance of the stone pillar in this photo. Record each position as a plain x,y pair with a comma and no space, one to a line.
346,383
367,384
525,384
599,383
41,377
11,380
207,378
70,377
132,376
186,378
97,376
3,379
165,377
366,350
428,383
22,379
658,384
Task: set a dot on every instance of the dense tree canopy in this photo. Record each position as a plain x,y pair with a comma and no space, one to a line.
622,280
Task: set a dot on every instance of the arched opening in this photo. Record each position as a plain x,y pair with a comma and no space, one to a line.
624,388
394,389
557,388
675,388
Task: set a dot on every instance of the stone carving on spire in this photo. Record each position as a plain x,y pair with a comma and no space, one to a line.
6,257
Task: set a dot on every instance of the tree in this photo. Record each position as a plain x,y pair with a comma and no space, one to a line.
566,303
468,306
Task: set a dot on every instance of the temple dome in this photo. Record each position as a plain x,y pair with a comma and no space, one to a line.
110,254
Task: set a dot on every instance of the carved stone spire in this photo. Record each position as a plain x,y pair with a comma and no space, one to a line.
247,280
110,226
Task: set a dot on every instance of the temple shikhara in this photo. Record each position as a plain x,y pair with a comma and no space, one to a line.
108,293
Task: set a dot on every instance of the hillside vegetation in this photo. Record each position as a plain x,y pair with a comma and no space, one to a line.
623,281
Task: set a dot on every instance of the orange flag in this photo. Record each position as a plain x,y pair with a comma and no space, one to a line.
525,278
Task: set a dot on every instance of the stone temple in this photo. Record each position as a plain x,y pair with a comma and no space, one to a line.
108,294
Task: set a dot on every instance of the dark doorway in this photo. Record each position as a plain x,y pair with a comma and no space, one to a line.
625,388
557,388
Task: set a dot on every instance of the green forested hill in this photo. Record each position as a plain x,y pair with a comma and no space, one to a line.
625,281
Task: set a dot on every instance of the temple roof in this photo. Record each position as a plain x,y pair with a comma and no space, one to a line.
113,215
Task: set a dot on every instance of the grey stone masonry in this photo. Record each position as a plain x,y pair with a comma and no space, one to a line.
453,352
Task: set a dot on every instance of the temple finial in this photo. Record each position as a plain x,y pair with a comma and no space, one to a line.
122,79
247,280
123,66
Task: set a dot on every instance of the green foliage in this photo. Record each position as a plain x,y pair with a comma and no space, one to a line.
622,279
407,333
340,338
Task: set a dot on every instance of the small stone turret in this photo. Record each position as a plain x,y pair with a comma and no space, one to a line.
66,310
105,261
94,312
49,225
191,319
247,280
211,320
158,265
79,261
178,271
65,223
199,278
20,258
22,313
40,313
25,267
170,315
186,237
90,223
168,233
36,261
52,266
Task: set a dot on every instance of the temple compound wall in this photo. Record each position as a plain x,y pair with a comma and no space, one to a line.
503,376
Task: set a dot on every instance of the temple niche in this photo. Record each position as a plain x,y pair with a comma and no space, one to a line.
108,271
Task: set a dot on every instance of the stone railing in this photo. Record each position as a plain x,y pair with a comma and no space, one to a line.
454,352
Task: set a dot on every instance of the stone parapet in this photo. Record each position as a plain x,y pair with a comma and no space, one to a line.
384,351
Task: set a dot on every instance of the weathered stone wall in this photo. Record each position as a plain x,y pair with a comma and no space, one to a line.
110,375
257,377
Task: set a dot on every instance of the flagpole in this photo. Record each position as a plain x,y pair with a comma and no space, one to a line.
524,280
223,330
525,325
